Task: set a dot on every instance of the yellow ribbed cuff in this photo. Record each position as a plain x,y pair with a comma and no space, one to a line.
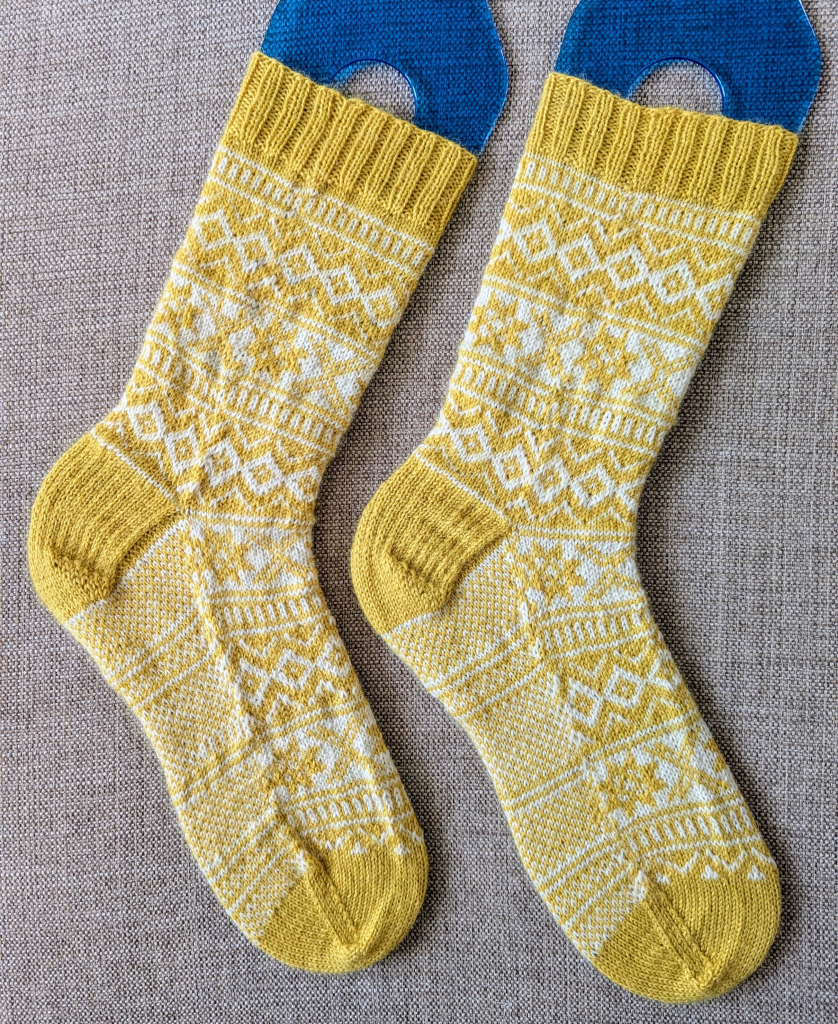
703,158
318,138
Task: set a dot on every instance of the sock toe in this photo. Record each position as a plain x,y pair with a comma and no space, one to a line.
349,911
694,939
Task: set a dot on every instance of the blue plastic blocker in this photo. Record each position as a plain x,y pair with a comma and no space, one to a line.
763,53
448,50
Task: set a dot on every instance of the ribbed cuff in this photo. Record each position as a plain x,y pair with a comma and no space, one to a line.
318,138
703,158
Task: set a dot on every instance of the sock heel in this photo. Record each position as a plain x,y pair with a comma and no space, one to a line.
91,509
416,540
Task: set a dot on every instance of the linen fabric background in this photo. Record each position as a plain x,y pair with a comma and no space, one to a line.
111,115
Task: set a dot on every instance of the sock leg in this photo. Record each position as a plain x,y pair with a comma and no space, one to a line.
514,525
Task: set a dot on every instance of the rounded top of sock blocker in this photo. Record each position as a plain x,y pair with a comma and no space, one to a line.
764,54
448,50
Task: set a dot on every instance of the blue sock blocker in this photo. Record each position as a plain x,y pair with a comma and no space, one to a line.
448,50
762,53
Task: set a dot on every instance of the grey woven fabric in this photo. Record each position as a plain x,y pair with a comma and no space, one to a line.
111,113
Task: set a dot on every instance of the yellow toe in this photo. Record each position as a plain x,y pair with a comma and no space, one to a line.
693,939
349,910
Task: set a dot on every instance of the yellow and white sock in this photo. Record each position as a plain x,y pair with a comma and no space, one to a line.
498,561
174,540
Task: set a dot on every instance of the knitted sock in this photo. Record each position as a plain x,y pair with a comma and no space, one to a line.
174,540
498,561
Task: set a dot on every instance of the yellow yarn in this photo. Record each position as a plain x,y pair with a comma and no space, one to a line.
498,561
174,540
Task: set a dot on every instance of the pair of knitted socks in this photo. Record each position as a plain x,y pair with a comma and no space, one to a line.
174,539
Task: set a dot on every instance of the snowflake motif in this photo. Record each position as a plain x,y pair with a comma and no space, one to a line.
498,328
558,577
604,363
630,785
273,351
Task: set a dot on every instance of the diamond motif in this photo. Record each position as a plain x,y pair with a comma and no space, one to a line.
183,449
147,421
578,257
